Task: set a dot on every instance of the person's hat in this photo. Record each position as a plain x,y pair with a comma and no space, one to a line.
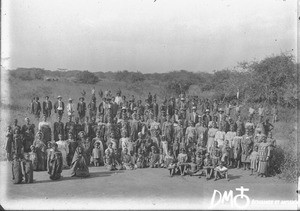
124,108
135,108
81,98
221,109
182,99
153,147
194,107
70,99
207,110
97,143
59,97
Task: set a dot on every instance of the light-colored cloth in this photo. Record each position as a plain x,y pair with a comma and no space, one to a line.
63,147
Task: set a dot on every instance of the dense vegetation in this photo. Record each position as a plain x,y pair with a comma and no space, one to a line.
273,79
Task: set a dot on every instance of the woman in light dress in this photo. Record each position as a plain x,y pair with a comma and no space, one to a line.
63,147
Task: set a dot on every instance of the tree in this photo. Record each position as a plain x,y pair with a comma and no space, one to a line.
86,77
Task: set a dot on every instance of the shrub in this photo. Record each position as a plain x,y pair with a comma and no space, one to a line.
86,77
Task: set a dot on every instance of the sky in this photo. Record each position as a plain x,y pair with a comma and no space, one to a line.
143,35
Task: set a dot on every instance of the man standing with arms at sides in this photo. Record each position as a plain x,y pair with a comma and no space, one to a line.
70,108
114,107
36,108
81,109
92,108
118,98
58,128
155,108
194,117
47,107
28,135
69,127
59,106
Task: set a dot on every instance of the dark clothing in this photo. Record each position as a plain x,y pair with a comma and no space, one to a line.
28,136
17,175
27,169
81,108
47,107
69,127
36,108
54,164
57,110
58,128
79,166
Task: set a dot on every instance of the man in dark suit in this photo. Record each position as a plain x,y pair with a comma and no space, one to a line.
47,107
81,109
58,128
206,118
194,116
59,106
36,108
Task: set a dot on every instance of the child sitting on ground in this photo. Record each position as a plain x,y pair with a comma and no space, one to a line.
221,172
208,166
182,159
126,160
153,158
108,160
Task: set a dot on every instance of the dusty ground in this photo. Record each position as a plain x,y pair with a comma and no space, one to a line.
147,188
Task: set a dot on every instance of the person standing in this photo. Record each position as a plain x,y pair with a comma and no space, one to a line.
92,108
47,107
58,128
264,157
28,135
69,127
40,151
81,108
70,108
59,106
45,128
55,163
36,108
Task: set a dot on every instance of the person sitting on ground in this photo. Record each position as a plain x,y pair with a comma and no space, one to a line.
154,158
140,161
192,167
126,160
108,160
182,159
79,166
221,172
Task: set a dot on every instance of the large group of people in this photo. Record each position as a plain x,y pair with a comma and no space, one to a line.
186,135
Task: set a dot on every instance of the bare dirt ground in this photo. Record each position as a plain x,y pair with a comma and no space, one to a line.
141,188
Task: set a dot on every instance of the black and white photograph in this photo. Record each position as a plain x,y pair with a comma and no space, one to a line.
149,105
